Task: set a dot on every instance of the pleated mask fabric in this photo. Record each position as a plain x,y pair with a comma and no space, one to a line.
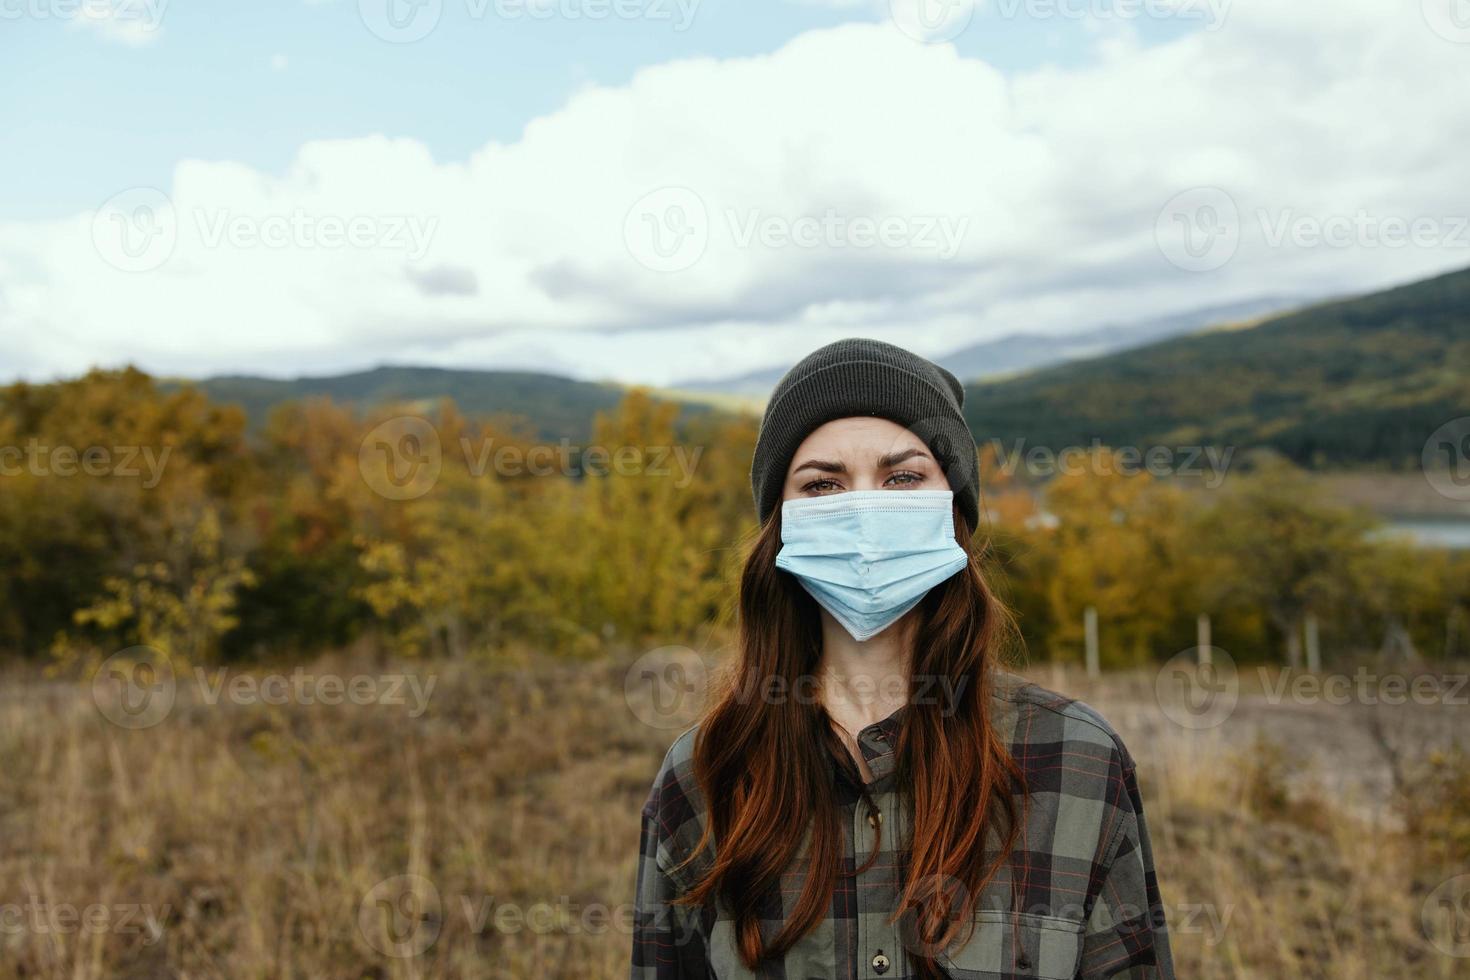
869,556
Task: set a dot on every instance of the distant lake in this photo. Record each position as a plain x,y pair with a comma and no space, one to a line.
1432,532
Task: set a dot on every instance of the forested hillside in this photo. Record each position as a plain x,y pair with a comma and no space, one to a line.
1351,383
554,407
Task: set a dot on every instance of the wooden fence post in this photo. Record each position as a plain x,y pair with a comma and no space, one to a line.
1314,652
1202,639
1089,632
1398,644
1294,646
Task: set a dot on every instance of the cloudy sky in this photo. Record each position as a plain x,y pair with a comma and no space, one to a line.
660,190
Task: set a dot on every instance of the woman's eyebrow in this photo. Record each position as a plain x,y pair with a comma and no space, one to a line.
894,458
822,465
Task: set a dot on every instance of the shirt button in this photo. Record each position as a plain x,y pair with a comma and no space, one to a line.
880,963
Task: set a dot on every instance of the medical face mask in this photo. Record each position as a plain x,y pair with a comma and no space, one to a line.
869,556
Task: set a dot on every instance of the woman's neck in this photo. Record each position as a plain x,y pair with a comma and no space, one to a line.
864,681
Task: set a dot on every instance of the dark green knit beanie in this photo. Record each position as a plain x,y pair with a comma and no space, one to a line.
866,377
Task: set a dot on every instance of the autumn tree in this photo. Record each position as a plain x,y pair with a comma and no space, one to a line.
1287,552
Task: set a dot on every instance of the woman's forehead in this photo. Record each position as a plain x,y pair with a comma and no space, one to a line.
857,437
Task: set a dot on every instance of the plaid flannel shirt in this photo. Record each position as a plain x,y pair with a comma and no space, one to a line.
1077,897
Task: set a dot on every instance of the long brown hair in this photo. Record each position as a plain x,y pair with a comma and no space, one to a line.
764,764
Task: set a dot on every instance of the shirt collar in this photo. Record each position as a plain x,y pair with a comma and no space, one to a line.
879,744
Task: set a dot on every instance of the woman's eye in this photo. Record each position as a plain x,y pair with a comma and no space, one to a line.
904,478
822,486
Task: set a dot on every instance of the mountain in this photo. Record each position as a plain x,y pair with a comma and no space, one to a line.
555,407
750,386
1026,351
1351,382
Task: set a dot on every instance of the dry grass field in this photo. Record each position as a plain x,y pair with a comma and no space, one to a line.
493,833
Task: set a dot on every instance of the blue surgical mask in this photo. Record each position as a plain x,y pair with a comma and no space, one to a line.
869,556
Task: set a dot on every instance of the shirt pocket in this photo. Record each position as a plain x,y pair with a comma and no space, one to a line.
1012,945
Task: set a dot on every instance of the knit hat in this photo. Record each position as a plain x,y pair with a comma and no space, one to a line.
866,377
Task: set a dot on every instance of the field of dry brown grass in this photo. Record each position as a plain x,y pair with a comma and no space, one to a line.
489,828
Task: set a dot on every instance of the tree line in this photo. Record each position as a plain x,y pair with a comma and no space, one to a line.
134,514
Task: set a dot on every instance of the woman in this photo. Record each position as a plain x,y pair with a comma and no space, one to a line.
870,797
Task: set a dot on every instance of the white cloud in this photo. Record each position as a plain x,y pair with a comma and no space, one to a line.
1312,117
131,22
